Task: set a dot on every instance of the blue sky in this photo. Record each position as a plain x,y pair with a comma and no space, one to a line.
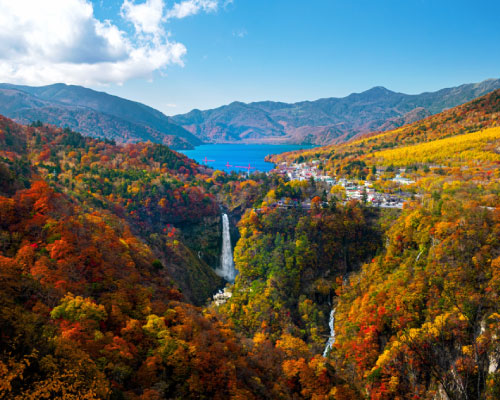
205,53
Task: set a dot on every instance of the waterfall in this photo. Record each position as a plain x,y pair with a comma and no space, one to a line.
226,270
331,339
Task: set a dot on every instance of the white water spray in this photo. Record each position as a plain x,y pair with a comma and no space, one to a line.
226,270
331,339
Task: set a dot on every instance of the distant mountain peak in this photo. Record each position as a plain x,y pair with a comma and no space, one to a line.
327,120
378,91
238,103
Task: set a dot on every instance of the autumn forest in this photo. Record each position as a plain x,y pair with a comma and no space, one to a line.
108,258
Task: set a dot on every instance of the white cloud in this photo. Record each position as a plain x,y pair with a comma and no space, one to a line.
190,7
49,41
146,17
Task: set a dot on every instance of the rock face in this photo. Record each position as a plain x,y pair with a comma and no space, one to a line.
197,278
92,113
324,121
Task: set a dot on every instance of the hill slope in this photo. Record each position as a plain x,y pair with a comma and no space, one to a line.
92,113
324,121
481,113
89,264
421,319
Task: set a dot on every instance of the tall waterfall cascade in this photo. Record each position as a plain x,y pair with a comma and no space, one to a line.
331,339
226,270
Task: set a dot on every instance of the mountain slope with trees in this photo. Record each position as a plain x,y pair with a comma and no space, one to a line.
421,319
107,254
93,252
92,113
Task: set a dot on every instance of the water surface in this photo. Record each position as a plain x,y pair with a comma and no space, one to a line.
230,157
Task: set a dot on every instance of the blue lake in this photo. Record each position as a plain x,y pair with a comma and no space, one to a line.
228,157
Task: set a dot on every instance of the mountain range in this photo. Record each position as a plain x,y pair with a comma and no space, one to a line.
325,121
92,113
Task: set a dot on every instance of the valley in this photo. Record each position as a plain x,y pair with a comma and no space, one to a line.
364,267
249,200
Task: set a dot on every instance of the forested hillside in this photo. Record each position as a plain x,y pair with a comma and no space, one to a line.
421,320
148,185
95,114
104,251
107,258
471,117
